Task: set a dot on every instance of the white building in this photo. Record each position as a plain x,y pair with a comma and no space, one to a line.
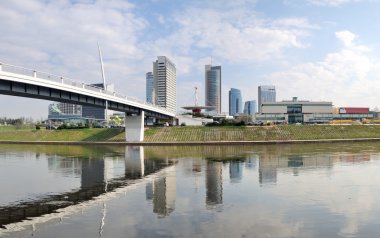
296,111
164,72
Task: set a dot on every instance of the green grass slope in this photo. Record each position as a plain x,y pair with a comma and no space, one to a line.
200,134
282,132
95,134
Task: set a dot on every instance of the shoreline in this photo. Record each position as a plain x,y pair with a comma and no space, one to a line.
190,143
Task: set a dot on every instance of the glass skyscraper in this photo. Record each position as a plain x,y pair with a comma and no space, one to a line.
250,107
235,102
149,87
266,94
213,88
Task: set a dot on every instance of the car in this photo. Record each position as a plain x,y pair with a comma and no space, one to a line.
51,127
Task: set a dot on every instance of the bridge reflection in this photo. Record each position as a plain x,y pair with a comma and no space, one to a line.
98,175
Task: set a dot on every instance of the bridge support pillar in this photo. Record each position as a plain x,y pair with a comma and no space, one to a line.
134,128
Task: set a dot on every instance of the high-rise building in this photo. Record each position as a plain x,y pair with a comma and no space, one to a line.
164,72
213,88
97,112
94,112
235,102
149,87
70,109
250,107
266,94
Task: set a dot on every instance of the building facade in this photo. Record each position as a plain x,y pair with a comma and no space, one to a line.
250,107
213,88
296,111
235,102
94,112
266,94
149,87
165,88
70,109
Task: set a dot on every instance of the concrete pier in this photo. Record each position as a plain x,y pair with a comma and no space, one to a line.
134,128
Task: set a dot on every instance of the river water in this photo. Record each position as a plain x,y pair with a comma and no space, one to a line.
311,190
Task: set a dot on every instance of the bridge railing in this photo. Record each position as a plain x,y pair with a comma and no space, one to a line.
67,81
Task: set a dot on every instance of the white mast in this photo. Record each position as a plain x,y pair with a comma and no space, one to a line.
196,96
104,82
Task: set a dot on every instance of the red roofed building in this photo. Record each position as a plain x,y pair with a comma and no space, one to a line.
353,110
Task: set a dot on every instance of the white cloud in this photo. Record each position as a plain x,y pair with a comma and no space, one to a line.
346,37
60,37
238,35
347,77
333,3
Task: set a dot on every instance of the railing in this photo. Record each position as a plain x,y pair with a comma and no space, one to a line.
67,81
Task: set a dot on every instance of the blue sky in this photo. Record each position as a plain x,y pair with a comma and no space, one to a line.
313,49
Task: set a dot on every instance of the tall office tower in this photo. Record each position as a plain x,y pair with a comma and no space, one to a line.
70,109
213,87
250,107
149,87
266,94
235,101
164,72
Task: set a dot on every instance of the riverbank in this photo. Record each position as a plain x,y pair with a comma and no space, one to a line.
200,135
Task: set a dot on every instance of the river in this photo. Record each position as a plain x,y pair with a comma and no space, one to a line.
293,190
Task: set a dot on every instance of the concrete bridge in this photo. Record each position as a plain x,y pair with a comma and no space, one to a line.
23,82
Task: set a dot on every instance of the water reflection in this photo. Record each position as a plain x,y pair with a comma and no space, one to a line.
162,193
236,171
214,184
99,173
214,191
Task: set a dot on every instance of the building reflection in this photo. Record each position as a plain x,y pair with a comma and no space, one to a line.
162,192
214,184
98,173
269,166
236,171
355,158
251,161
268,170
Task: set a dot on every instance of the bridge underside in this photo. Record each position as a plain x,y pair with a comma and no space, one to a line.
32,91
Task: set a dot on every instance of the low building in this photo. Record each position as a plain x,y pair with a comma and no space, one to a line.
295,111
298,111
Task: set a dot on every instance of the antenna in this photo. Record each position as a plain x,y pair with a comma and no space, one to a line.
196,96
211,60
102,67
104,82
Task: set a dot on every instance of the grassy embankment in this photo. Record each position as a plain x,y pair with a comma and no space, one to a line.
283,132
196,134
96,134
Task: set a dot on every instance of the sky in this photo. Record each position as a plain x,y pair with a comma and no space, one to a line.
319,50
